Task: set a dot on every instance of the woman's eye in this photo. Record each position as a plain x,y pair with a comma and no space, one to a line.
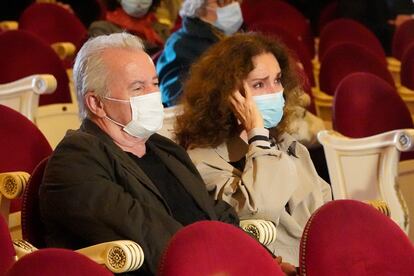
258,85
278,80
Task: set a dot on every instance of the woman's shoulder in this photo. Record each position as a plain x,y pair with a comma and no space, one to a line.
198,155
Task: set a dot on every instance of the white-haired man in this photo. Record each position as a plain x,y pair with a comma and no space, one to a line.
204,23
114,178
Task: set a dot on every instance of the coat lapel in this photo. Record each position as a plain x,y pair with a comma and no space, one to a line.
126,161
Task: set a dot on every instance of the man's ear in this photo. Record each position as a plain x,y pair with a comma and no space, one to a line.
94,104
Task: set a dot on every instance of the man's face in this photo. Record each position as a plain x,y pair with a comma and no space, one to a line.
131,73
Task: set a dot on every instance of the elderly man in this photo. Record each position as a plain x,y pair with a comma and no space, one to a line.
114,178
204,23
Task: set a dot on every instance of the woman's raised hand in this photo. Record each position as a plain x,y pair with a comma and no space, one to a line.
245,109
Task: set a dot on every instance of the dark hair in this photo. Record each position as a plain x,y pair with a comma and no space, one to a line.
207,120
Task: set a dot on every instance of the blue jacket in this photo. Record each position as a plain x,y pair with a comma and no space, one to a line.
181,49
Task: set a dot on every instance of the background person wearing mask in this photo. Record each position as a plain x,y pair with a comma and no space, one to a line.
204,23
238,103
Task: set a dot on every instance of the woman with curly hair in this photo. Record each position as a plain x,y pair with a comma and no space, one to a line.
237,105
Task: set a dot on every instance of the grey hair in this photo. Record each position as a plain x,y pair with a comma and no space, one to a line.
190,8
89,70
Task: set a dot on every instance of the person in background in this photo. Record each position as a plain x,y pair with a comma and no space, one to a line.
115,178
135,16
237,105
204,23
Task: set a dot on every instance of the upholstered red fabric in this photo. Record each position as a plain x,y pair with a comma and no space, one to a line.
348,30
22,145
215,248
366,105
23,54
403,37
281,13
346,58
32,227
53,23
56,262
327,14
7,252
407,67
347,237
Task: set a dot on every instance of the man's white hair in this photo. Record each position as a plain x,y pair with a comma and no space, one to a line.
89,70
190,8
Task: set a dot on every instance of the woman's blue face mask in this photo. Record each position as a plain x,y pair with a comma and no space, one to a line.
271,107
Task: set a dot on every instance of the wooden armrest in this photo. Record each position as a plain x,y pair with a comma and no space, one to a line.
64,49
262,230
39,84
381,206
402,139
9,25
118,256
12,184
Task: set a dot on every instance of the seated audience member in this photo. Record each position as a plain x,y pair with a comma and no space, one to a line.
135,16
204,23
237,104
114,178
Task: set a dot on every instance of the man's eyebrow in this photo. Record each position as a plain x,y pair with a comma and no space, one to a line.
135,83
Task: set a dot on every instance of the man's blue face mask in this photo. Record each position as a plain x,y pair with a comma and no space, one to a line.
271,108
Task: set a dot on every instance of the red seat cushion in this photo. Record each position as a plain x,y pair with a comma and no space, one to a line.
22,143
348,30
407,67
23,54
7,253
403,37
347,237
215,248
346,58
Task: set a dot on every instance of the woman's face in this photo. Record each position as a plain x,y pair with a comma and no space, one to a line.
266,76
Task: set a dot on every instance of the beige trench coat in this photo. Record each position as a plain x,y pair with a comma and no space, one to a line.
275,185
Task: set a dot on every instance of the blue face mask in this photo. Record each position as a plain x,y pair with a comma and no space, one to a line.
229,18
271,108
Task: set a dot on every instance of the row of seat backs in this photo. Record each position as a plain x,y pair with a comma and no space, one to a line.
23,54
402,37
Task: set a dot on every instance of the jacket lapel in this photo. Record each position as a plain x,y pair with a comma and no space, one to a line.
126,161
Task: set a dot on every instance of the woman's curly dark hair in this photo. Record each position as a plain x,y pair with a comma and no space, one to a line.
207,119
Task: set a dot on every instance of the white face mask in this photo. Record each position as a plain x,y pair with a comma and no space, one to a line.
147,115
229,18
136,8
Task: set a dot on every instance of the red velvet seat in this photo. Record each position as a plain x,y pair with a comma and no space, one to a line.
346,58
23,54
281,13
327,14
403,37
365,105
215,248
347,237
33,229
7,253
348,30
407,67
53,23
22,144
56,262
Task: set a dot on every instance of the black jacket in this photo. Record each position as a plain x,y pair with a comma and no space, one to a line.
94,192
